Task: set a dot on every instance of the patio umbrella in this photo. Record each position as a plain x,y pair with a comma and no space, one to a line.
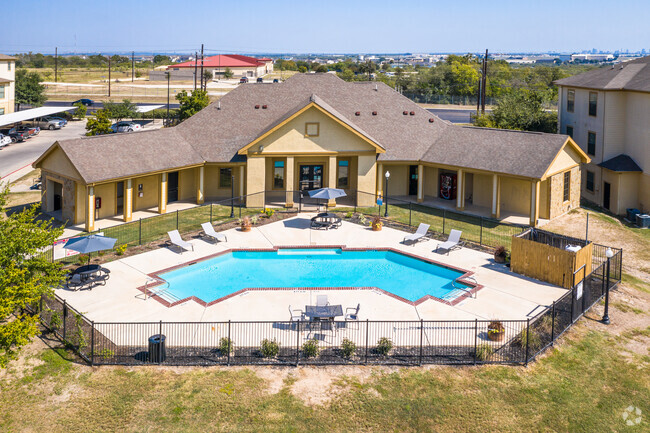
89,244
327,194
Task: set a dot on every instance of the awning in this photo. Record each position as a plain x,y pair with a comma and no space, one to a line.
621,163
147,108
32,113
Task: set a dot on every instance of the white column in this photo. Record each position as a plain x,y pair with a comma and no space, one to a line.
420,183
534,202
90,209
162,194
128,200
460,190
288,181
242,181
380,179
495,195
200,198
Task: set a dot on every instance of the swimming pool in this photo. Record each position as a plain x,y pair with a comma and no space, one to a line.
407,277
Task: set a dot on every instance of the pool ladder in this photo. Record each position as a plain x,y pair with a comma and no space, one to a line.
163,291
464,289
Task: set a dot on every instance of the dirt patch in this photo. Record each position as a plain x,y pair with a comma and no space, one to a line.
26,361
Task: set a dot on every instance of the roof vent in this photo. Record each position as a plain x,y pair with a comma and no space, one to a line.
376,88
358,113
257,107
412,113
218,105
374,113
431,119
406,113
264,107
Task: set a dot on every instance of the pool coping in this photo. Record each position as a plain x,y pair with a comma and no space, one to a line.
475,287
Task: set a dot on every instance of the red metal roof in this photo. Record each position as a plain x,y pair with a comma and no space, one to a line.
224,61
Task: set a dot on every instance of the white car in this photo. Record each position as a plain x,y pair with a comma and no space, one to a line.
126,127
5,140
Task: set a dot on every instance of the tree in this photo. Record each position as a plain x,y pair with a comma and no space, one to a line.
29,89
161,60
228,74
191,104
321,68
120,110
26,274
207,76
80,112
100,124
522,110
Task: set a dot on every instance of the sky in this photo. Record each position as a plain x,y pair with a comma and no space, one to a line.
324,26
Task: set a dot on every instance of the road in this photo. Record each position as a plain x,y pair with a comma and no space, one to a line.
453,115
98,104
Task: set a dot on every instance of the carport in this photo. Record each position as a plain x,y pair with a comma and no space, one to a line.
32,113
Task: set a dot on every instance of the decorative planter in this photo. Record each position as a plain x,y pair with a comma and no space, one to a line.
496,335
499,258
376,227
245,228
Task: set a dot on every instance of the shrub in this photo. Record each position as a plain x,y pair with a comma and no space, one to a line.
55,321
120,249
225,346
253,220
106,354
269,212
533,338
269,348
310,349
484,352
349,215
362,219
348,348
82,259
384,345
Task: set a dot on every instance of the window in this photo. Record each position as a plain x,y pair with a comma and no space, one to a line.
8,66
312,129
343,174
569,131
2,111
590,181
278,174
567,186
570,100
593,103
225,177
2,92
591,143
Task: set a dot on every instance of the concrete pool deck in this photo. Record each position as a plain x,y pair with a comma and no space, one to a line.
504,296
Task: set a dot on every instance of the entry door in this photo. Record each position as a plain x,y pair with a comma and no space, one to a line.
311,177
607,189
172,187
119,201
413,180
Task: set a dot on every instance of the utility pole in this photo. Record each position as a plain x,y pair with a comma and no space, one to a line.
168,73
201,66
132,66
196,64
109,75
484,82
56,64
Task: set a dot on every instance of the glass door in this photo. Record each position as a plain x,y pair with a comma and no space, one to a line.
311,177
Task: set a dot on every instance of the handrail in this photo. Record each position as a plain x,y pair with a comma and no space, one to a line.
471,294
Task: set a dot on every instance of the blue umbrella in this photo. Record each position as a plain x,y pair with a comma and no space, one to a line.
327,194
89,244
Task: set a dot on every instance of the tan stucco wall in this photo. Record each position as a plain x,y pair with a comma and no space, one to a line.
255,178
431,181
544,199
212,191
107,194
150,186
644,192
187,183
367,179
566,159
67,195
515,195
57,162
80,203
556,200
482,190
398,180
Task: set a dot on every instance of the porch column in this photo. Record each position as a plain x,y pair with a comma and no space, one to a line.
495,196
90,209
288,181
200,198
420,183
332,177
162,194
534,202
128,200
460,190
242,181
380,178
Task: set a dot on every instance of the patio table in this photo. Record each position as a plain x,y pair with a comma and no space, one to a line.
326,220
87,270
323,312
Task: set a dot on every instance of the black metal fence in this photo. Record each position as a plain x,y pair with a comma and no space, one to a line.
321,343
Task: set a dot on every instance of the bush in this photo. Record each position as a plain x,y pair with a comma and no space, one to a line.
269,348
120,249
226,346
269,212
533,338
349,215
310,349
484,352
348,348
384,345
55,321
82,259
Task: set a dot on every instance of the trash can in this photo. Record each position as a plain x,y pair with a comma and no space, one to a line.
631,214
157,351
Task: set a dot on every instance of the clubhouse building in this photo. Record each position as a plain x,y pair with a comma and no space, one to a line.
269,142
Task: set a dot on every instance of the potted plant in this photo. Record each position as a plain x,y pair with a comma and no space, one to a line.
376,223
246,224
500,254
496,331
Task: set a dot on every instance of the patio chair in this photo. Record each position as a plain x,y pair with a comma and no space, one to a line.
321,301
352,314
453,242
295,314
420,233
74,282
209,232
175,239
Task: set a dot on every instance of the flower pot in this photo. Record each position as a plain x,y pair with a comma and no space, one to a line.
494,335
245,228
376,227
499,258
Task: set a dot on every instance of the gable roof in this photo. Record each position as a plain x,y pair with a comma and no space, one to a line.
223,61
6,57
633,75
394,124
621,163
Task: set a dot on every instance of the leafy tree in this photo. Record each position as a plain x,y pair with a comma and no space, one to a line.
321,68
29,89
207,76
80,112
25,275
120,110
522,110
463,79
100,124
161,60
228,73
191,104
302,69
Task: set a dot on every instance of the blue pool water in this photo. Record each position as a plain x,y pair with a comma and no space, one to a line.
396,273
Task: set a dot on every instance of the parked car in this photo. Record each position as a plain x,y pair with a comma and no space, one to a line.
125,127
64,122
29,129
47,123
275,80
87,102
16,136
260,80
243,80
5,140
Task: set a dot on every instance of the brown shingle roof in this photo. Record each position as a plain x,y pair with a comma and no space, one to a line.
632,75
6,57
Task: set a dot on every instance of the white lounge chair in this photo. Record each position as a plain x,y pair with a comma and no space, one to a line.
321,301
209,231
175,239
453,242
296,314
420,233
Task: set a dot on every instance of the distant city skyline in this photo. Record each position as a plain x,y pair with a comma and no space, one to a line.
337,26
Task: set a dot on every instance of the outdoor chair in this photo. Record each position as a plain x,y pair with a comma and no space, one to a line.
352,315
295,314
321,301
453,242
175,239
210,233
420,233
74,282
